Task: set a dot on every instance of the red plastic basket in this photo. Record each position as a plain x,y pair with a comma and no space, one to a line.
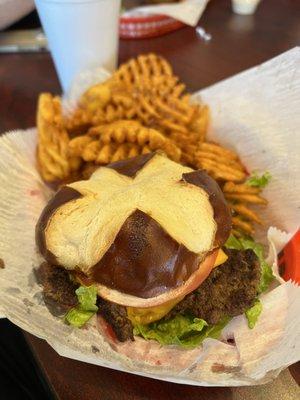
289,259
142,27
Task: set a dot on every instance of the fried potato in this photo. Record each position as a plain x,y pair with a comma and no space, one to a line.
219,159
110,114
91,151
247,198
220,171
246,212
158,98
217,149
231,187
143,67
105,153
112,152
172,126
54,161
243,225
223,164
95,97
78,144
126,131
200,123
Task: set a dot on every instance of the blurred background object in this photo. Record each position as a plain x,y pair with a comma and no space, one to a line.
13,10
135,3
245,7
142,19
82,34
164,1
26,40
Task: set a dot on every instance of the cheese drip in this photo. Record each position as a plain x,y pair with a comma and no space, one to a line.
144,316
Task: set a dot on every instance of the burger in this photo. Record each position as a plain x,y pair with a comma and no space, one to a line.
145,244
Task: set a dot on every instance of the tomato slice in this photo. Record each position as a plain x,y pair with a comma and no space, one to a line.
106,329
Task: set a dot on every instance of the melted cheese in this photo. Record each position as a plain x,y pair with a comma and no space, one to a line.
145,316
221,258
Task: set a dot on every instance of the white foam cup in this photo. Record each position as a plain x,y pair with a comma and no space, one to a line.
82,34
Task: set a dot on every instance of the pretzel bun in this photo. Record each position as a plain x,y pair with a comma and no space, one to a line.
144,230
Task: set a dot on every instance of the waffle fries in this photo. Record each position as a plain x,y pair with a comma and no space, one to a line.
143,107
133,132
144,68
220,163
53,157
239,196
119,140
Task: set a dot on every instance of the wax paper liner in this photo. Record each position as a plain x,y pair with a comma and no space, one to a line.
257,355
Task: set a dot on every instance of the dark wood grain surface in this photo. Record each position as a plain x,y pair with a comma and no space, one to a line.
238,42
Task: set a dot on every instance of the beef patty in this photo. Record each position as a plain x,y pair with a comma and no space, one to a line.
116,316
58,289
229,290
59,296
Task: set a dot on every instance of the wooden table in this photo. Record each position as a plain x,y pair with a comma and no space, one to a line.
238,42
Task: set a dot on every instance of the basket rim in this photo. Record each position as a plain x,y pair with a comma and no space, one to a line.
146,18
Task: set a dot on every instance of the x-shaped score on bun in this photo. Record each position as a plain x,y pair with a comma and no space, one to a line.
144,230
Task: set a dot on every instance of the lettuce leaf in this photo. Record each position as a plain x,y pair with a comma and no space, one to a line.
79,315
266,277
245,244
87,297
211,331
259,181
182,330
266,270
253,313
233,243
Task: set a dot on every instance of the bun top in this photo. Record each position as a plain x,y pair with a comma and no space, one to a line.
140,226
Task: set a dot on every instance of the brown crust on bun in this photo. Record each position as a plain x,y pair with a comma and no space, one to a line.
131,166
64,195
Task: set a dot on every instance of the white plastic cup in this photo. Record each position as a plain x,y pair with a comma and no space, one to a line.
82,34
245,7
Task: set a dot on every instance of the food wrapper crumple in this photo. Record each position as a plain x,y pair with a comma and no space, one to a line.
257,114
187,11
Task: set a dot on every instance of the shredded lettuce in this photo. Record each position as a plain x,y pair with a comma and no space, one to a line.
253,313
86,308
244,244
259,181
182,330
